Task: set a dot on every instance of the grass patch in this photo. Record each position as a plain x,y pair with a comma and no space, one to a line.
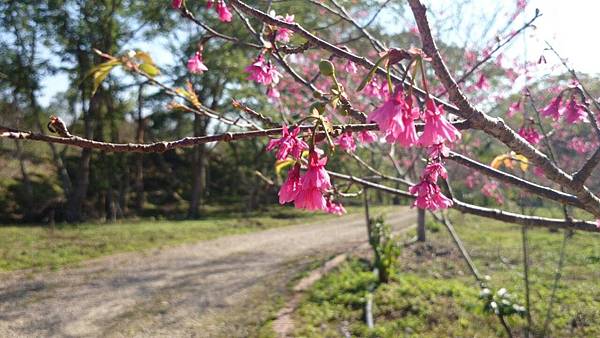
433,295
24,247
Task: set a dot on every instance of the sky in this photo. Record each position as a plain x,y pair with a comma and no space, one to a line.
570,26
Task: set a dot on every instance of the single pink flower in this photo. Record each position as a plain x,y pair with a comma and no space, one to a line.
273,93
335,208
552,110
514,108
310,199
389,116
290,188
366,137
438,150
284,34
262,71
433,170
316,176
429,196
437,128
574,112
482,83
195,64
491,190
314,183
538,171
288,144
598,223
350,67
530,134
378,89
470,181
408,136
176,4
346,142
223,11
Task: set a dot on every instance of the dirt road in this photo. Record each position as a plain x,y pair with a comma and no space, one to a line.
214,288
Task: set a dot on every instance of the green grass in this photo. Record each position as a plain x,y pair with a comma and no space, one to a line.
434,295
24,247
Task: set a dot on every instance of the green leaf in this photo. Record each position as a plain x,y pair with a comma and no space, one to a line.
371,73
149,69
101,71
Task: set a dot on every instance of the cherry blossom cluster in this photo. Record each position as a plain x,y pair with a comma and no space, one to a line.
219,6
396,120
572,111
311,191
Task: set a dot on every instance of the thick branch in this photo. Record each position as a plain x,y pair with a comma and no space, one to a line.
537,189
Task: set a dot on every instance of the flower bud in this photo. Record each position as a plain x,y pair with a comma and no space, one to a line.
326,67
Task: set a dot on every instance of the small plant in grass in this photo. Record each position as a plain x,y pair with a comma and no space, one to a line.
501,303
385,248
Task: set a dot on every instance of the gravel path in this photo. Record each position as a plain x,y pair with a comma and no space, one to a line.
221,287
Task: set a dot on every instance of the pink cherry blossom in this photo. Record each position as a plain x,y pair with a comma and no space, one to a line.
598,223
273,93
378,89
437,128
314,183
429,196
482,82
470,181
223,11
490,189
316,176
366,137
408,136
514,108
438,150
530,134
552,110
350,67
389,116
434,170
284,34
574,112
176,4
262,71
195,64
335,208
288,144
290,188
310,199
346,142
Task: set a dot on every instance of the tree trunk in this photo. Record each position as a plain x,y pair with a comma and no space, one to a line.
421,225
198,169
28,210
139,158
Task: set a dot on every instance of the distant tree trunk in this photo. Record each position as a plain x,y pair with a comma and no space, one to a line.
139,158
73,212
198,169
421,225
28,210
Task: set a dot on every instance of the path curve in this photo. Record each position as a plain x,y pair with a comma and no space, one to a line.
206,289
